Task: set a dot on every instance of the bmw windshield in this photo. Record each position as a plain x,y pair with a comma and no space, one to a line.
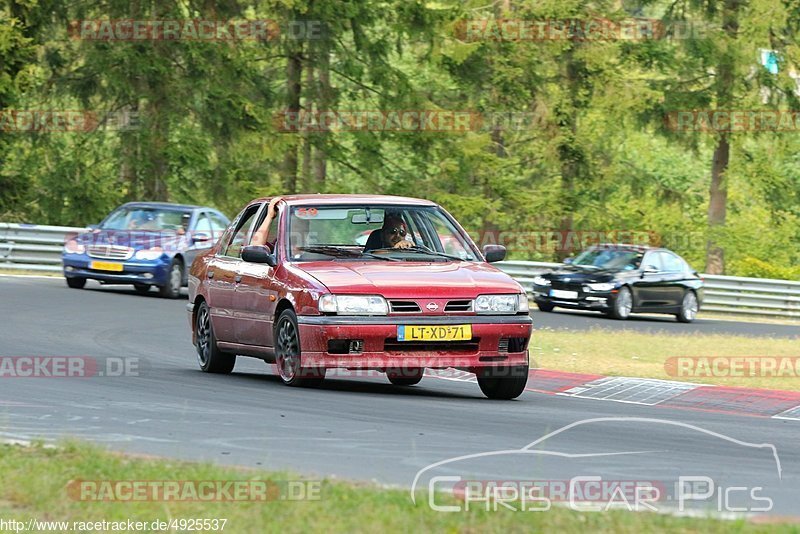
609,259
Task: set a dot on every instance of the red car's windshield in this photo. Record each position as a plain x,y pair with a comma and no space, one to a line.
329,232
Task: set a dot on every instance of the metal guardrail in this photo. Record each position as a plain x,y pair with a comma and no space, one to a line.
726,294
31,247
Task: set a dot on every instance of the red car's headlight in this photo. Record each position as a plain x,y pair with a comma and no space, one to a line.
353,304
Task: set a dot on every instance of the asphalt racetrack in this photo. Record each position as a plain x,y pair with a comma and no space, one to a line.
362,427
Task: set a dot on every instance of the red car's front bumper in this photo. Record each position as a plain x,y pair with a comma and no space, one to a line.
496,341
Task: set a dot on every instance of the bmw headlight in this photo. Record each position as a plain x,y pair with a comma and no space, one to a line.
540,281
499,303
149,254
603,286
353,304
73,247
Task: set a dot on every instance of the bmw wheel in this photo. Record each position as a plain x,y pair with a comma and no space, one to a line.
689,308
623,304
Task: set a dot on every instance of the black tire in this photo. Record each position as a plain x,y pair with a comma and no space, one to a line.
76,283
142,289
689,307
545,306
503,383
172,289
405,377
623,304
210,358
288,355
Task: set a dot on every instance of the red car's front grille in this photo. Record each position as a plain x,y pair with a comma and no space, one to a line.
458,306
411,306
404,306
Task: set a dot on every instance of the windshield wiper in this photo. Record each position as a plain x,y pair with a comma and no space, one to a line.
328,251
337,252
424,250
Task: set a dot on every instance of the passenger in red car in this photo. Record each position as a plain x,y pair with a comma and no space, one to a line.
261,235
391,235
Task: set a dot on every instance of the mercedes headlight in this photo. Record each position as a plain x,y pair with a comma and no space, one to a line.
353,304
500,303
149,253
603,286
540,281
73,247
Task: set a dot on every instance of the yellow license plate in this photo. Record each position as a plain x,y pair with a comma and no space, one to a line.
106,266
459,332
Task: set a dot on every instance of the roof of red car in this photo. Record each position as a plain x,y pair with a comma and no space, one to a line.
353,199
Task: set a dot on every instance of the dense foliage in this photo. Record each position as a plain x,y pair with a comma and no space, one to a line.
194,120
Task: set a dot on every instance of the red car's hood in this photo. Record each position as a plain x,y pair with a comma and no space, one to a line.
398,280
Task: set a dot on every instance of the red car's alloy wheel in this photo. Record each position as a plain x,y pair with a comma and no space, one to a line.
288,357
210,358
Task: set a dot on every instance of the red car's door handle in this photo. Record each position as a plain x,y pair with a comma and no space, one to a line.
210,274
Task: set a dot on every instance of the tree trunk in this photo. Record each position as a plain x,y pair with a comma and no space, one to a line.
717,207
307,136
569,153
718,190
294,72
324,103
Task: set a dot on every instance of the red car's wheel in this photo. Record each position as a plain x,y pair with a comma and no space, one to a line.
503,382
405,377
288,357
210,358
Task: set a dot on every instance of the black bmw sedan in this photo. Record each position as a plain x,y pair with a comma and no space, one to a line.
622,279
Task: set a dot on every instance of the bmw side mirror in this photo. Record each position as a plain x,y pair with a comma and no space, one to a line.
259,254
651,269
92,227
567,261
494,253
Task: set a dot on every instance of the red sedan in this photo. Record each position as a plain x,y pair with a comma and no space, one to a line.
416,294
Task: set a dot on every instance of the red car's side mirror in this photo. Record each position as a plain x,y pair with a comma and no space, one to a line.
494,253
259,254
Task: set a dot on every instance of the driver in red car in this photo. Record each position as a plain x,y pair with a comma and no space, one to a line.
391,235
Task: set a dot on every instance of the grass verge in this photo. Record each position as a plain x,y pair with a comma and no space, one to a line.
645,355
35,480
